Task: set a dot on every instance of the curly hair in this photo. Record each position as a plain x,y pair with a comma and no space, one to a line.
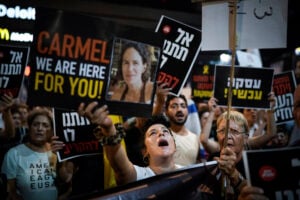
155,119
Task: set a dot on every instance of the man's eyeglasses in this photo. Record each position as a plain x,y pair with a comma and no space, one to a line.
231,130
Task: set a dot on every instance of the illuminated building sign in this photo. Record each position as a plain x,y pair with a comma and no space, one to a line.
15,36
17,23
17,12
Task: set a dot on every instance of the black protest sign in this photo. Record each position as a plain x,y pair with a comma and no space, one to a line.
71,61
284,85
13,60
250,86
203,81
276,171
180,50
177,184
77,133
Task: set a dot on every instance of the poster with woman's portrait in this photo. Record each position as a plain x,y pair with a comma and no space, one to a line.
132,74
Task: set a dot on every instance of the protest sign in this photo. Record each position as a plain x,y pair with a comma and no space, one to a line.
255,24
203,82
77,133
71,62
181,47
250,87
178,184
13,62
276,171
284,85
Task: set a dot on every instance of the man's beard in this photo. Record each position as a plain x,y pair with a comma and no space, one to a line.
180,123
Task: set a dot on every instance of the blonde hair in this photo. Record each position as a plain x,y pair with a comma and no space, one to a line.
237,117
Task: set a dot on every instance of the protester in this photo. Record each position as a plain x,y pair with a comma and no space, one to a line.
23,108
237,134
133,75
187,143
8,134
281,138
255,142
159,148
30,167
210,145
251,116
7,130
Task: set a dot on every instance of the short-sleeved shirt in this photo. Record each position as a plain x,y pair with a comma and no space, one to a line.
32,171
187,148
146,172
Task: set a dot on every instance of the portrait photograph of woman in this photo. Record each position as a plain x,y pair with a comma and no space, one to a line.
133,71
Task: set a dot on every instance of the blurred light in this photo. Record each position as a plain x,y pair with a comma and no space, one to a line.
297,51
27,71
225,58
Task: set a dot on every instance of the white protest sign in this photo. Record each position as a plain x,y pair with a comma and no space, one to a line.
259,24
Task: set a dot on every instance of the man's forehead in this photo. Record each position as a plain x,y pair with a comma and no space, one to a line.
155,126
177,99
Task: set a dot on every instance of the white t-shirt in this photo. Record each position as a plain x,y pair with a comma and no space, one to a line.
146,172
32,172
187,148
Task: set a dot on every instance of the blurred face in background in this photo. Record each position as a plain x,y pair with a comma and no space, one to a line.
24,114
281,139
251,116
40,131
17,119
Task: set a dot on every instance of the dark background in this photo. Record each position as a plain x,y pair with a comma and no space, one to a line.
146,13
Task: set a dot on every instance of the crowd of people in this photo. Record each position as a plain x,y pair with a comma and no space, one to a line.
179,134
164,143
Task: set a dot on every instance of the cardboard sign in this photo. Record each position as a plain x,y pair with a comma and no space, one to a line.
203,82
250,88
13,60
71,62
276,171
284,85
255,24
77,134
180,49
